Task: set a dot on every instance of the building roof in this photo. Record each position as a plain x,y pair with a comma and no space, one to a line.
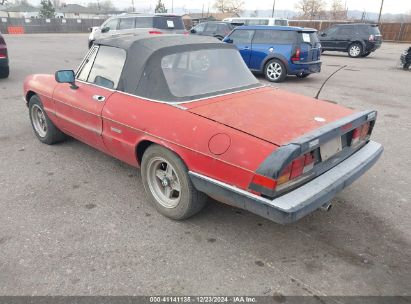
79,9
216,16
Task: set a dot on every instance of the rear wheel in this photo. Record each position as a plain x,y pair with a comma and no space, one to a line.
407,66
355,50
365,54
168,185
43,127
4,72
275,71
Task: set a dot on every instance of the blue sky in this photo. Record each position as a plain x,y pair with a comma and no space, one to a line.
390,6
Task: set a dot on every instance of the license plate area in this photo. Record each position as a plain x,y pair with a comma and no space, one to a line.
330,148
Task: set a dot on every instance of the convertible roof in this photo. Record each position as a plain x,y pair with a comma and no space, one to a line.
144,53
155,42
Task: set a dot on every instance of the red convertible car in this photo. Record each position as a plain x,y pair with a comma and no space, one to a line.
188,112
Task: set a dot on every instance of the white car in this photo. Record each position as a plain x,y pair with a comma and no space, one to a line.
133,23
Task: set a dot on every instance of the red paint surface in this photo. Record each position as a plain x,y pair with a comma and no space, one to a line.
117,125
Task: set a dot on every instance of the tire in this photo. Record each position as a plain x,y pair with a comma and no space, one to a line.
407,66
4,72
302,75
365,54
43,127
168,185
275,71
355,50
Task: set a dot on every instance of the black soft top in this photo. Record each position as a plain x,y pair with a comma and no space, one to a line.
141,73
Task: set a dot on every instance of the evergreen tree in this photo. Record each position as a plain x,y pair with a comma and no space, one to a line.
160,7
47,9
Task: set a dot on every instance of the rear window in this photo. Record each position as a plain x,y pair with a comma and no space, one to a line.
309,37
272,36
173,22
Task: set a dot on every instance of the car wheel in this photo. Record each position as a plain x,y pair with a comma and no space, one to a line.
365,54
4,72
43,127
355,50
275,71
168,185
302,75
407,66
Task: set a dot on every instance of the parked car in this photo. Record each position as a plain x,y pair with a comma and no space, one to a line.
406,59
278,51
217,29
133,23
170,105
4,59
357,39
258,21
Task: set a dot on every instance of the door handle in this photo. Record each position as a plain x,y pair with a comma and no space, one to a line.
99,98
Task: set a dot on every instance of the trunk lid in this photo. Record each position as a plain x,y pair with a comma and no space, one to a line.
272,115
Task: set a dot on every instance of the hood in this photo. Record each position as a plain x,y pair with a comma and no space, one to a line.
273,115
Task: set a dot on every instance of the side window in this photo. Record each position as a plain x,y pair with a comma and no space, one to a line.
242,36
274,37
112,24
200,27
211,28
331,31
84,70
345,30
107,67
144,22
126,23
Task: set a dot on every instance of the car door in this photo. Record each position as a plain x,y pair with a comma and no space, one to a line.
199,29
126,25
79,107
110,28
344,35
328,38
242,39
211,29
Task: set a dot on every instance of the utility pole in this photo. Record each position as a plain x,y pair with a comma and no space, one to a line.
272,14
379,16
132,3
172,6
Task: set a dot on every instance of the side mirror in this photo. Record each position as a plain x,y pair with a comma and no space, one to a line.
228,40
105,29
193,31
323,34
66,76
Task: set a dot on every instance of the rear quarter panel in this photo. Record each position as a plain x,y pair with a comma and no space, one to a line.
185,133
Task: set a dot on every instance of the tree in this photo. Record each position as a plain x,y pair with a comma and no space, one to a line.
337,10
229,6
3,2
310,8
46,10
254,14
160,7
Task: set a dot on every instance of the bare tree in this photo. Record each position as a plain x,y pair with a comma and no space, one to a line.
3,2
310,9
229,6
337,10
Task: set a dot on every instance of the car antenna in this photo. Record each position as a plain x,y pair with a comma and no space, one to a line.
328,78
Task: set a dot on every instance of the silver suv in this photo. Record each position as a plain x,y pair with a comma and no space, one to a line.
133,23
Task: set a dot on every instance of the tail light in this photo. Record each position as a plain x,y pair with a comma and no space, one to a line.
186,33
297,55
371,38
297,168
155,32
360,134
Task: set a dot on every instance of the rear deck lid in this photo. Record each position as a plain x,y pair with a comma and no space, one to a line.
272,115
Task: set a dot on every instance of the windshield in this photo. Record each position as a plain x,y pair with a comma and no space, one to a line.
207,72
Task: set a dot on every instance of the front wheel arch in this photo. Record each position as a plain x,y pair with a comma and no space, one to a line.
29,95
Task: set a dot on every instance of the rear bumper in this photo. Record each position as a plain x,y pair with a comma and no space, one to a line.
296,204
372,46
304,68
4,62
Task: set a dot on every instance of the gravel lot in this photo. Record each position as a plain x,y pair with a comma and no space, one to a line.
76,222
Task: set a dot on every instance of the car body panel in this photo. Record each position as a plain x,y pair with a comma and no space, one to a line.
261,114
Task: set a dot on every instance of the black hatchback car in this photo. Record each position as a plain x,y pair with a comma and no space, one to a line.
4,59
213,28
357,39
